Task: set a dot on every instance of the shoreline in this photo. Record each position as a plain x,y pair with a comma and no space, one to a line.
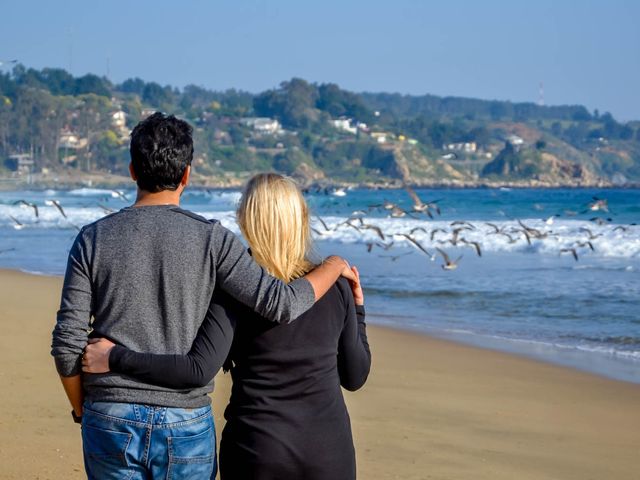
555,356
430,408
119,182
601,365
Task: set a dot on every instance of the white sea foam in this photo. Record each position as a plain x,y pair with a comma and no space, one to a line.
563,234
94,192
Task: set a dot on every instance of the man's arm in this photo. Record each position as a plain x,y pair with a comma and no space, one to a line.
72,325
325,275
73,388
241,277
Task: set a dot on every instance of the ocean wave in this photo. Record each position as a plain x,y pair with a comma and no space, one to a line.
99,192
401,291
611,240
609,349
559,239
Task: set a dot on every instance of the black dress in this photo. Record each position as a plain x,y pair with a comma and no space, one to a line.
286,418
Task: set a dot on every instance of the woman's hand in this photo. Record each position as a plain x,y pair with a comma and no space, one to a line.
356,287
95,358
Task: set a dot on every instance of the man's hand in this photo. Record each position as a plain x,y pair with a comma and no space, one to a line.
96,355
342,265
347,272
325,275
356,287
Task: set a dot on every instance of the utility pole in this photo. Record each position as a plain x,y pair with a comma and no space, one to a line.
70,32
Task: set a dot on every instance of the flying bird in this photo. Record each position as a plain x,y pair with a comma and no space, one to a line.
448,264
375,228
397,212
395,257
511,239
414,243
119,194
496,229
436,230
586,244
323,223
56,203
551,219
592,236
474,245
26,204
106,209
572,251
463,224
419,205
416,229
385,205
599,204
18,224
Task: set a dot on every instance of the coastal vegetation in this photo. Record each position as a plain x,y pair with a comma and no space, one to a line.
53,122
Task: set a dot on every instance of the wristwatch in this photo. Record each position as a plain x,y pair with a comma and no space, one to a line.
76,418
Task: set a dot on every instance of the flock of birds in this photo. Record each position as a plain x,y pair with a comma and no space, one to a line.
454,235
18,225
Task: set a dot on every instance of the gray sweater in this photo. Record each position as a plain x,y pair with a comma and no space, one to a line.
144,277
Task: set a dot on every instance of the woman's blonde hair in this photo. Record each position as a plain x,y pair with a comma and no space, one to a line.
274,219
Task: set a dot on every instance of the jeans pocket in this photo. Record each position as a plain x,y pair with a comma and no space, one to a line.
105,452
192,456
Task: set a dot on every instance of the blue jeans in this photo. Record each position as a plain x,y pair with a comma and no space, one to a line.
130,441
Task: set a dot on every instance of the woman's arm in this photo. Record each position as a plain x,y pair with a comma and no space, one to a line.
195,369
354,356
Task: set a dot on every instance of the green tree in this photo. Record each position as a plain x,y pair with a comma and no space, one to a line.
132,85
159,97
288,161
92,84
293,104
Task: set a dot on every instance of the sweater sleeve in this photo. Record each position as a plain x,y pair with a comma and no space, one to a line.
354,356
74,316
195,369
241,277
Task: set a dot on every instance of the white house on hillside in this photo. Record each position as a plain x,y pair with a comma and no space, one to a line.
345,125
263,125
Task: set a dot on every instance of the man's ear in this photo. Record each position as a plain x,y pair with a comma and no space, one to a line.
132,172
185,176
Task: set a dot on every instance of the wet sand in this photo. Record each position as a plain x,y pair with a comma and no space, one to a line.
430,410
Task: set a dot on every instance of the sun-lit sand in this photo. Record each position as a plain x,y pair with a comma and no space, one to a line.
431,409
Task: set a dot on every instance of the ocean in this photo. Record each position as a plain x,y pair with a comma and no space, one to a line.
526,297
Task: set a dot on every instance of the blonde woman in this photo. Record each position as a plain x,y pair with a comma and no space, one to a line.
286,418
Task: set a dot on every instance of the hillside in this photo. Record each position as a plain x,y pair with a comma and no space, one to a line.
54,125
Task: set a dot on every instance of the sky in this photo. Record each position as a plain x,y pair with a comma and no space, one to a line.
583,52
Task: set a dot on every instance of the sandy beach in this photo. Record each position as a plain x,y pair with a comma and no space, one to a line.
430,410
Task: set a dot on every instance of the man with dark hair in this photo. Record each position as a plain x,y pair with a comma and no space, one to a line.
160,168
144,277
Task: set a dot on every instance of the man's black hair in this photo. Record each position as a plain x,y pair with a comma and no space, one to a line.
161,149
